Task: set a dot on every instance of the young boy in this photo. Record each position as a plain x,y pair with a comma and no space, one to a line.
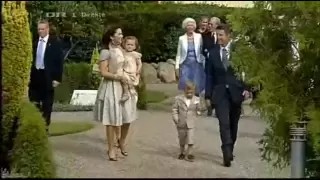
185,110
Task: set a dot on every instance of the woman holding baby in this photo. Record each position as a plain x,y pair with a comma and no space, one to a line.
116,103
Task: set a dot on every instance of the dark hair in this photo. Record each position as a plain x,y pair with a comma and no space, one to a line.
204,17
225,27
106,36
125,39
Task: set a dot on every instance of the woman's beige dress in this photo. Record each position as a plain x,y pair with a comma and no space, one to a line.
108,108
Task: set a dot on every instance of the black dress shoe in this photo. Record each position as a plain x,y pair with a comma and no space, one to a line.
226,161
227,157
181,156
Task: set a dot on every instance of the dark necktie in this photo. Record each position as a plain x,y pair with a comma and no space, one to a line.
213,37
224,58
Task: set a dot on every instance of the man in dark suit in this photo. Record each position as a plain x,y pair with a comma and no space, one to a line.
209,42
210,37
225,91
46,70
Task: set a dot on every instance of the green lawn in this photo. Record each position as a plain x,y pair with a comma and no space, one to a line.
63,128
155,96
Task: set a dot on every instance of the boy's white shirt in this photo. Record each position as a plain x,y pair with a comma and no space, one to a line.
188,101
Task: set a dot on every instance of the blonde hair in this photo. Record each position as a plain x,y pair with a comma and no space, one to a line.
216,20
189,86
125,39
43,21
189,20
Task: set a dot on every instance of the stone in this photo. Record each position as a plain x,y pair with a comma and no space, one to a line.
166,72
171,61
149,73
83,97
155,65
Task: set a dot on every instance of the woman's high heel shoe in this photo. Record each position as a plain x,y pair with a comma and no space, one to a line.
111,158
124,153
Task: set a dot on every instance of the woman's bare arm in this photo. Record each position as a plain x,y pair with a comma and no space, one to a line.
104,71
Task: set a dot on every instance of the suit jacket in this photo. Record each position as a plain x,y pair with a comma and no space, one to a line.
53,60
209,42
184,116
217,79
182,49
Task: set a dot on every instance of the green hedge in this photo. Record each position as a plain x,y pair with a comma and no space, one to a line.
79,76
32,155
158,26
142,95
75,76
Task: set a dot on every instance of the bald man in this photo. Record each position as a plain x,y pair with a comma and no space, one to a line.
46,70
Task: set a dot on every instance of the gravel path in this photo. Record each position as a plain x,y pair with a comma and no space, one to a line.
153,149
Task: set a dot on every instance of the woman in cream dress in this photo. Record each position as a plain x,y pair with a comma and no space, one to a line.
113,114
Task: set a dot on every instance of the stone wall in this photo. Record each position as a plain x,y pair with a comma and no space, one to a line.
159,72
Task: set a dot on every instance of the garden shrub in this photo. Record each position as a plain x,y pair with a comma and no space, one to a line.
142,94
16,37
290,93
16,61
32,155
95,77
66,107
75,76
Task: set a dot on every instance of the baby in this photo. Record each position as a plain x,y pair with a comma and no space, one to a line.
185,110
132,65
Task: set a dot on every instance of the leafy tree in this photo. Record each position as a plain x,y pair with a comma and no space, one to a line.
266,51
76,20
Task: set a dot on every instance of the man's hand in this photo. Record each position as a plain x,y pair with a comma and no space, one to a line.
55,83
246,94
